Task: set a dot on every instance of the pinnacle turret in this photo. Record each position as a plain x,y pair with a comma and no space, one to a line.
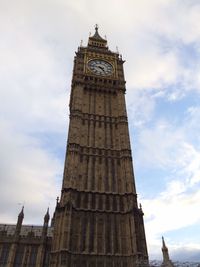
21,214
47,216
164,247
166,260
19,223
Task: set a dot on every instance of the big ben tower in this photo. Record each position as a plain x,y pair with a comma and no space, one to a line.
97,220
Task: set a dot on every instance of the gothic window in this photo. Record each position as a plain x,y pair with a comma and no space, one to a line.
114,204
63,258
100,235
83,230
101,264
91,238
121,204
46,259
108,263
108,236
120,184
79,180
91,264
100,202
86,201
99,183
116,235
93,202
78,200
19,256
81,158
4,255
74,242
106,178
124,247
93,172
107,203
68,206
33,256
83,263
65,238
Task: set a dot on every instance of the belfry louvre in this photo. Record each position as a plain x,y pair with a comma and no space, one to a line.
97,221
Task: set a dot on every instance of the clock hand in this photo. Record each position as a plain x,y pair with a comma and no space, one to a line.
101,68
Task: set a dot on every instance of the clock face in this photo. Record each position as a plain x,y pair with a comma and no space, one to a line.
100,67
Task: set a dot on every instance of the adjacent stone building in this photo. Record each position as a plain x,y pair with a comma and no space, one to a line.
25,245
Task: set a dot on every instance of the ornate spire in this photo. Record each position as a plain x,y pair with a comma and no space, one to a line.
166,260
96,35
46,217
96,40
164,247
45,225
21,214
19,223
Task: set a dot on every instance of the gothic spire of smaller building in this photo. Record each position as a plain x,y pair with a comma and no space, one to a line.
21,214
19,223
20,217
166,260
47,216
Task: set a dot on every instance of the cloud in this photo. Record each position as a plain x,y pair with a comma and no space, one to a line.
29,175
33,122
157,145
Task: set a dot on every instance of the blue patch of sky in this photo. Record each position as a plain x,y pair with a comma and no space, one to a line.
149,183
175,111
186,234
55,143
188,54
193,188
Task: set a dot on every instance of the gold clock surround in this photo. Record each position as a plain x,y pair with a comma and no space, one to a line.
110,60
100,67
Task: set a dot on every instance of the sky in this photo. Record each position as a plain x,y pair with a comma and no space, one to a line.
160,41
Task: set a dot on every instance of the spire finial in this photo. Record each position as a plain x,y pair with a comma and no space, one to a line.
166,259
22,212
46,217
96,40
117,49
163,242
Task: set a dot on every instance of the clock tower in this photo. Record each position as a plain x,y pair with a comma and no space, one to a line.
97,221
